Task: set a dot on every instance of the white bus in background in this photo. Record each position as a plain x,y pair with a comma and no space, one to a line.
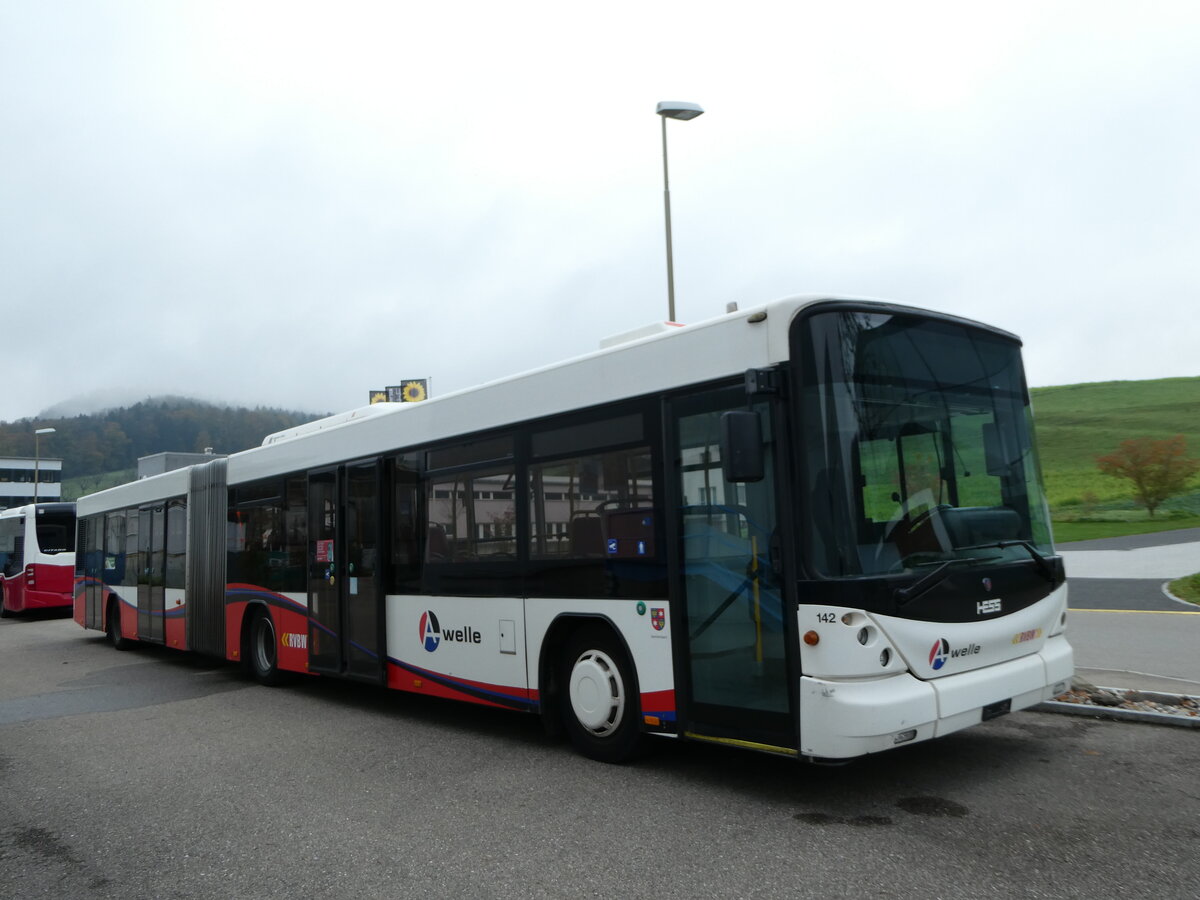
37,557
815,528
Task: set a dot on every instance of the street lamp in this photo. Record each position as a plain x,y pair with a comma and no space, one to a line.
672,109
37,458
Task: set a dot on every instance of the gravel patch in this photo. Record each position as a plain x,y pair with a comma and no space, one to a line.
1119,703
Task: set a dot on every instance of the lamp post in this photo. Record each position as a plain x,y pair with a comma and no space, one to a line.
672,109
37,458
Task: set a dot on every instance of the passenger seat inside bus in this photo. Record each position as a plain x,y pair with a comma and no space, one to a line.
587,536
438,548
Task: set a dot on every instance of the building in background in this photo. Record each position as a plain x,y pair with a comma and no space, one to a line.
157,463
16,480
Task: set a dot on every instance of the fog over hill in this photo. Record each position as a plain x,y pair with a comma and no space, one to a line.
102,401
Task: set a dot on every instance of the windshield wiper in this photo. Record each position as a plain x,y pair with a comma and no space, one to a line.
932,579
1042,564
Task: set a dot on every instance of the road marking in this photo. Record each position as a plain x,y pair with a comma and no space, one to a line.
1148,612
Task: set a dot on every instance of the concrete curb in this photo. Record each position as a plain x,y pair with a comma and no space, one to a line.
1194,607
1127,715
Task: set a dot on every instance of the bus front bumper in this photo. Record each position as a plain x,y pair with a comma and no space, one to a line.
842,719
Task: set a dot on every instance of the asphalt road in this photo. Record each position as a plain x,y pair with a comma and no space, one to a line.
155,774
1127,631
1144,594
1129,573
1136,541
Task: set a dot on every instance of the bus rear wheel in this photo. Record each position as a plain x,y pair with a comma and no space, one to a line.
264,651
600,701
113,628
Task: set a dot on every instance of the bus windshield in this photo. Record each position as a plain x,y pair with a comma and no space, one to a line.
917,445
55,531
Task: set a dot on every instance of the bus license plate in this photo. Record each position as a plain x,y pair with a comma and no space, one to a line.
995,710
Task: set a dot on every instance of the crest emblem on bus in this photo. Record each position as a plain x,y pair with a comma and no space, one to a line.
658,617
429,632
987,584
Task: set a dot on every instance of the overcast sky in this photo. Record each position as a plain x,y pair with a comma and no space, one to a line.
291,203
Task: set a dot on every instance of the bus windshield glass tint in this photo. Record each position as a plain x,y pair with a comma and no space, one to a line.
917,445
56,532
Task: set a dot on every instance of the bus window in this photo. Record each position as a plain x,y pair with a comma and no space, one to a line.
258,548
295,535
11,531
113,571
598,506
133,553
406,520
472,516
176,544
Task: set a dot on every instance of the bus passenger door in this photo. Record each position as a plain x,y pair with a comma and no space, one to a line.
345,601
324,608
151,596
93,570
111,566
735,658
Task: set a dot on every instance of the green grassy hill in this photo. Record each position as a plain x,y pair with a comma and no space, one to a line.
74,488
1077,422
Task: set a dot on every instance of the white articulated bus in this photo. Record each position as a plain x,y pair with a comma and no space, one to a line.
814,528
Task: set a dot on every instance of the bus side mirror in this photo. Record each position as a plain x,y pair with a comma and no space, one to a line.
742,458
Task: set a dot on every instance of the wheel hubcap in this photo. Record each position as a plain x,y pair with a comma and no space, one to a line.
597,693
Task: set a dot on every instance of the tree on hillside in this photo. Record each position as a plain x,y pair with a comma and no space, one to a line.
1158,468
113,440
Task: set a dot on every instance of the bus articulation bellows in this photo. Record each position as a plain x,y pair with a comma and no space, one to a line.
814,528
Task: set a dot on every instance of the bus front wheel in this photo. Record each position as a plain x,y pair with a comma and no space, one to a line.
600,700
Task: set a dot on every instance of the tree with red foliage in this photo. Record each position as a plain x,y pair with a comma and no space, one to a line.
1158,468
